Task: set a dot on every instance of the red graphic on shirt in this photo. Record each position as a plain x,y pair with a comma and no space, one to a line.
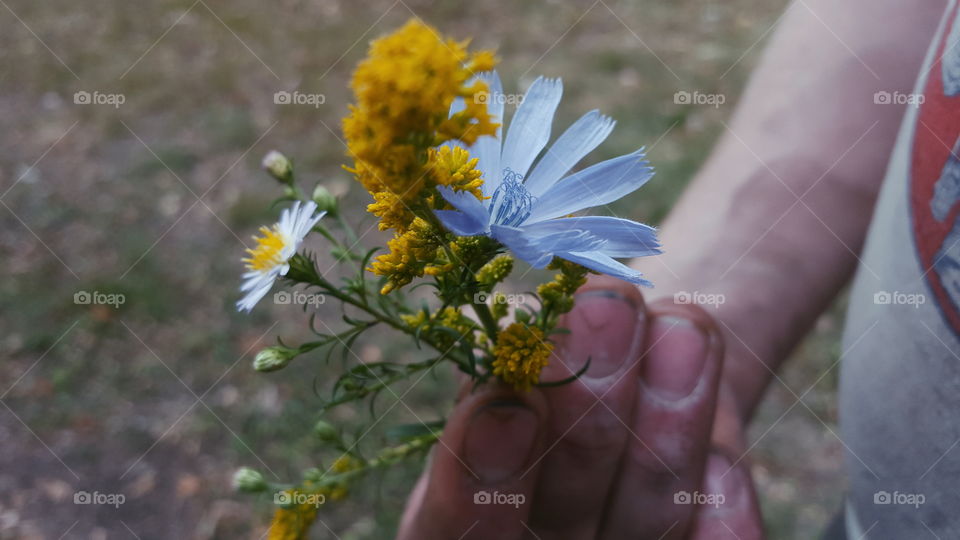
936,133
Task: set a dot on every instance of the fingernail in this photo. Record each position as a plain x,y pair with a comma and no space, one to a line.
603,328
721,478
677,354
499,440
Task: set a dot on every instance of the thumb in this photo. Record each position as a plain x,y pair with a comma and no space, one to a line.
479,482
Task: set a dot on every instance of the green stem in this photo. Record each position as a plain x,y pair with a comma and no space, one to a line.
347,252
393,455
351,234
486,317
393,323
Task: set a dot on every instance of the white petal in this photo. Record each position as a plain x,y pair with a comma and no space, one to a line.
258,288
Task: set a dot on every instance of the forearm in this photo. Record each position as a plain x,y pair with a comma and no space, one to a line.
777,215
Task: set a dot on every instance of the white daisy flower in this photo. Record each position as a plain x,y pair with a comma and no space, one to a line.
275,246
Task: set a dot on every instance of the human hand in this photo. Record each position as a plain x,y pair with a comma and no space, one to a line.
625,451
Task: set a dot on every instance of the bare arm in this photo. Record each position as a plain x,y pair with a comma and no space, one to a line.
777,215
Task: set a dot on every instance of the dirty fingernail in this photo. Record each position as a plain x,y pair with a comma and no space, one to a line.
603,326
677,355
722,480
499,440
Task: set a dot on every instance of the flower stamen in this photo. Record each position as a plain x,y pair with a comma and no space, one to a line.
511,203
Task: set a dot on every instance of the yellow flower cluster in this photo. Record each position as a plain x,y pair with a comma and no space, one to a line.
557,295
403,91
495,271
520,354
472,251
453,167
411,254
294,522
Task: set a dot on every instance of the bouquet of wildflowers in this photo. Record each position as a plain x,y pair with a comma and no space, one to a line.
463,197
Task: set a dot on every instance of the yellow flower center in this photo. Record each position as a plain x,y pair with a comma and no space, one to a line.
267,254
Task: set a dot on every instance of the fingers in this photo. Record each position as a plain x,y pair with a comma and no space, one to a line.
587,429
731,510
481,477
663,465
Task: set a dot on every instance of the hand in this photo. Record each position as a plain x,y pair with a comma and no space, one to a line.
623,452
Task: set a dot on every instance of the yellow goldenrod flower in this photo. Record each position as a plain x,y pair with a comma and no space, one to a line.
404,90
339,493
415,320
410,254
346,463
495,271
520,354
392,211
557,295
414,92
455,168
292,523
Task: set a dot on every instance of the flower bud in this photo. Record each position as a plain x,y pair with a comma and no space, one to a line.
326,432
249,481
500,307
278,166
495,271
274,358
325,200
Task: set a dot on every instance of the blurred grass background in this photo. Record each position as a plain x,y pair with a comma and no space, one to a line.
155,198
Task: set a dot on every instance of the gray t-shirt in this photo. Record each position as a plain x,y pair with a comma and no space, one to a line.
900,381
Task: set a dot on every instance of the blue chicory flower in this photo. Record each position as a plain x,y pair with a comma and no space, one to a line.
529,213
